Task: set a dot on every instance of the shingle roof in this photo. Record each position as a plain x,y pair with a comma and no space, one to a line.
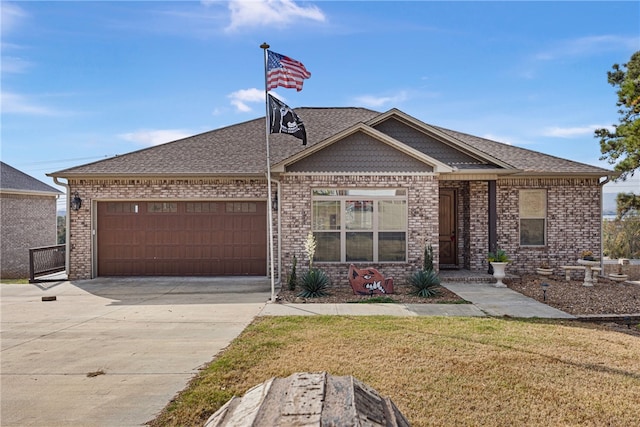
521,158
240,150
234,150
15,180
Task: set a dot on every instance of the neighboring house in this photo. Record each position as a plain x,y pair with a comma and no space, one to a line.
374,188
27,219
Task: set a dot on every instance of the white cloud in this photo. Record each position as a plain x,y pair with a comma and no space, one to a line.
13,103
12,15
378,101
11,64
256,13
584,46
240,98
570,132
155,137
500,138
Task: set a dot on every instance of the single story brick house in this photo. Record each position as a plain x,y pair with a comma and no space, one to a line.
373,187
27,219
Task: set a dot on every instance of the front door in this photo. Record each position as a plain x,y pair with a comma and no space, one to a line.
447,224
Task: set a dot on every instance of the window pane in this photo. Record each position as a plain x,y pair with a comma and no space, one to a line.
326,215
155,207
392,215
532,232
359,246
358,214
392,246
533,203
327,247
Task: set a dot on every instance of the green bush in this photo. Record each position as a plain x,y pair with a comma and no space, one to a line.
499,256
314,283
424,283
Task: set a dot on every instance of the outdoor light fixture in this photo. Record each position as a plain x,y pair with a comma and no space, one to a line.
274,202
76,202
545,286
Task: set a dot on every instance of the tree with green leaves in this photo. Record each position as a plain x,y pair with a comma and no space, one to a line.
621,146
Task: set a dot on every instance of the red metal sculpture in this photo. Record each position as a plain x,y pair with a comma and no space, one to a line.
369,281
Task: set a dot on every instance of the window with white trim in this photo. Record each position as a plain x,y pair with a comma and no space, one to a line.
356,225
533,217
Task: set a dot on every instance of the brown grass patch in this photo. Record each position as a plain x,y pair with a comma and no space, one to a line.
438,371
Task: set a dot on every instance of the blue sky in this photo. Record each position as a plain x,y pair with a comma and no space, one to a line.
83,81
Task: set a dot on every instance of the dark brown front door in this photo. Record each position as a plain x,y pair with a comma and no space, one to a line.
447,224
174,238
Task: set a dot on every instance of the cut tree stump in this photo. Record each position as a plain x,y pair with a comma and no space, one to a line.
309,399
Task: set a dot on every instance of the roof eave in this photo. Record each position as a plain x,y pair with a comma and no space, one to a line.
55,193
155,175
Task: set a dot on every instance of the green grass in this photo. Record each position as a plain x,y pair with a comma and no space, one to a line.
14,281
440,371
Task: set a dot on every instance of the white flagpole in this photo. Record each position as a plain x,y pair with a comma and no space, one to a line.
265,46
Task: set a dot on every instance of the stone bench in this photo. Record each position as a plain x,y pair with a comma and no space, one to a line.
568,268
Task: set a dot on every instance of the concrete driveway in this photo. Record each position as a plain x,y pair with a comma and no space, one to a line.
113,352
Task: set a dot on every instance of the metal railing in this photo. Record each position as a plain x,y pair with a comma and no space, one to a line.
46,260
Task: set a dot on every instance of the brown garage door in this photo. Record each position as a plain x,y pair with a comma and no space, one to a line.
182,238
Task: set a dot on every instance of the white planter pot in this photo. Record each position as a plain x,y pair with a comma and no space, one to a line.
498,273
544,271
618,277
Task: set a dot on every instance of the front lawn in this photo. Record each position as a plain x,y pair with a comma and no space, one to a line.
439,371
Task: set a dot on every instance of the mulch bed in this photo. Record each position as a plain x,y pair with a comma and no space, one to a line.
604,298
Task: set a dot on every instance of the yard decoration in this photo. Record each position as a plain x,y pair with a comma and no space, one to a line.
587,256
369,281
499,261
544,270
309,399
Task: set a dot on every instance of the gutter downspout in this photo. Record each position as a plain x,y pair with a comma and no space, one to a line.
67,224
601,184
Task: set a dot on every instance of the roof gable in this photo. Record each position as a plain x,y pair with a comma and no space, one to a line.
361,148
362,153
430,140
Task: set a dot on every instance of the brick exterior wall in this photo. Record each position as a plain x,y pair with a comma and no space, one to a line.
574,221
422,227
80,228
27,221
573,216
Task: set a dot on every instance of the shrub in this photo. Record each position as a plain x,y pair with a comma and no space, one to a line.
424,283
314,283
427,263
293,277
499,256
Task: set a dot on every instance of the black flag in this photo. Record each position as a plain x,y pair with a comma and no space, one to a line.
283,120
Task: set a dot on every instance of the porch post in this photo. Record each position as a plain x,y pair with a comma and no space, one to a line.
493,220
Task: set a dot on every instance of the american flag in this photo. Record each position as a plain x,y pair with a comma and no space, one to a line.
284,71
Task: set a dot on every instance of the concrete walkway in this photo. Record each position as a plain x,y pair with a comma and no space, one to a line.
486,300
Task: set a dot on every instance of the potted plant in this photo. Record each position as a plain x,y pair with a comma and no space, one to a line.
619,276
499,261
587,256
544,269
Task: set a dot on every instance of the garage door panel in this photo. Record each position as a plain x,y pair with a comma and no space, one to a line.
182,238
